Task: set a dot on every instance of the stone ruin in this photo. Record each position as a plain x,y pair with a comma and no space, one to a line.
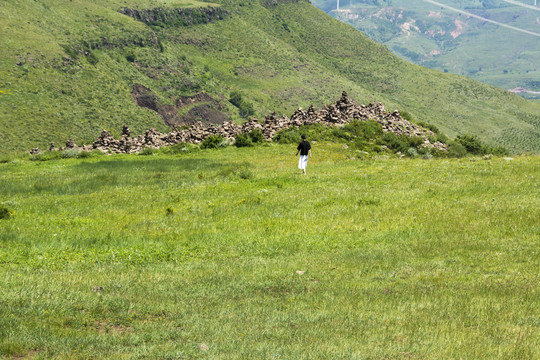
342,112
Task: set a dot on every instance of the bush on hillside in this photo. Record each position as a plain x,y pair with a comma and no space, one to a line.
131,57
70,153
288,136
407,116
475,146
92,59
214,142
256,136
442,138
243,140
456,150
147,151
245,108
394,142
180,148
84,155
367,130
429,127
472,144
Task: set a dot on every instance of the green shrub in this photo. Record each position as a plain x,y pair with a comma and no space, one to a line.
148,151
4,212
499,151
457,150
429,126
475,146
84,154
92,59
70,153
412,152
236,98
288,136
97,152
442,138
394,142
471,143
245,108
365,145
245,173
131,57
413,141
256,136
214,142
407,116
243,140
367,129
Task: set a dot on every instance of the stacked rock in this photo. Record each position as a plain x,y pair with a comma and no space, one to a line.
342,112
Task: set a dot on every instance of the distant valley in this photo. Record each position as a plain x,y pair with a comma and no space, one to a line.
496,42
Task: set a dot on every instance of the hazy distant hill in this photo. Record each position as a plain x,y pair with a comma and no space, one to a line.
73,68
443,39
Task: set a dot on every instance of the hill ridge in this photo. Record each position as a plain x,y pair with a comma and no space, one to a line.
278,55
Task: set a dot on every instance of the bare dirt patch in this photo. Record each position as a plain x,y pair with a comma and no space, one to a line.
197,108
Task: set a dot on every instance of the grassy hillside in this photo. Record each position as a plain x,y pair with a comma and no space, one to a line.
67,69
446,40
231,254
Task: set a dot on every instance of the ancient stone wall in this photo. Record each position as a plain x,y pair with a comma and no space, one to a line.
342,112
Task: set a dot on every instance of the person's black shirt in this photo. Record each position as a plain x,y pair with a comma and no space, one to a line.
304,147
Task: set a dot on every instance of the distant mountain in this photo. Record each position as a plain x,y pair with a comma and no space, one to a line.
478,39
73,68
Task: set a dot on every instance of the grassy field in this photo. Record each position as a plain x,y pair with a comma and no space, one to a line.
232,254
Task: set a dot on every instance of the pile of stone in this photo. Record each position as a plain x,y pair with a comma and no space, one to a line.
342,112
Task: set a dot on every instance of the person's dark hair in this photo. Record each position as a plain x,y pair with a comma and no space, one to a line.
303,136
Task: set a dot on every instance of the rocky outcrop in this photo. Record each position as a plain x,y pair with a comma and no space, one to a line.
164,17
342,112
274,3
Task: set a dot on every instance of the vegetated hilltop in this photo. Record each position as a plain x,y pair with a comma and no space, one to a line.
73,68
453,41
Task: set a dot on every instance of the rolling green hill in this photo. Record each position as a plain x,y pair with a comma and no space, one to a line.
69,69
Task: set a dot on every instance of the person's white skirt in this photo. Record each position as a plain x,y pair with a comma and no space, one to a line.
302,162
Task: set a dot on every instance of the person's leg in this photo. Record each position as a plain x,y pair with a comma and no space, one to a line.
302,162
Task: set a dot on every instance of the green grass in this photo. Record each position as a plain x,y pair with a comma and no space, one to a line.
278,57
402,258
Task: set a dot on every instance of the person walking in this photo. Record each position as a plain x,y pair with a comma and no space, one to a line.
304,148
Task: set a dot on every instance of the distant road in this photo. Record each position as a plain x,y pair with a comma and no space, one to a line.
522,5
484,19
